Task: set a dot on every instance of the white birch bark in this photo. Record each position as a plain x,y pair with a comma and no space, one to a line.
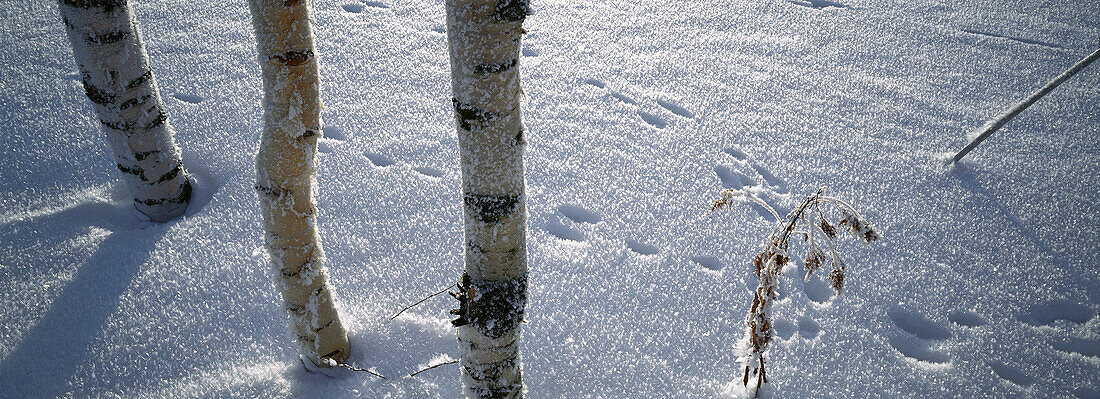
285,176
117,80
484,37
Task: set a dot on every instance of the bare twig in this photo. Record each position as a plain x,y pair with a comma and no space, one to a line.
352,368
421,301
994,125
432,367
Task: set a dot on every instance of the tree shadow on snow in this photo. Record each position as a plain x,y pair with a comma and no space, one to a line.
53,350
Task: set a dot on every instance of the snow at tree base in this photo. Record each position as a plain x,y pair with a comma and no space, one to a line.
985,282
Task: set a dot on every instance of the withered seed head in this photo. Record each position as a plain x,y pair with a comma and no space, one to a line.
836,279
828,228
869,234
813,260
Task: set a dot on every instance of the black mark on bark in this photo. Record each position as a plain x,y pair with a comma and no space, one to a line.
140,80
136,171
159,120
182,198
109,37
140,156
97,95
134,101
486,69
518,140
122,126
467,113
169,175
294,58
490,208
510,11
269,191
106,5
498,307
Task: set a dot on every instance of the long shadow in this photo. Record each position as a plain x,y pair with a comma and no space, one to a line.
969,182
61,342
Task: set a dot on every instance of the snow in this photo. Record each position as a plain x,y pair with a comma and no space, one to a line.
986,282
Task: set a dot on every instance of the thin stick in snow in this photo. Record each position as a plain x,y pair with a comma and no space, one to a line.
432,367
1001,120
421,301
353,368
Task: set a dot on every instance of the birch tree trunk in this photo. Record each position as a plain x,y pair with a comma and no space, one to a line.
483,37
285,176
117,79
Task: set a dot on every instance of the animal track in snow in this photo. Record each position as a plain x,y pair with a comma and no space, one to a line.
808,328
331,137
731,178
640,247
378,160
325,145
750,283
736,153
917,349
353,8
596,83
578,214
918,343
439,29
1011,374
1048,313
783,328
430,172
817,290
622,97
648,117
1078,346
188,98
708,262
335,133
745,174
530,52
1086,392
966,318
918,325
557,229
375,4
676,109
818,4
653,120
741,173
778,184
737,176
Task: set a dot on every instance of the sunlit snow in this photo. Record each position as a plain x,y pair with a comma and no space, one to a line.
986,282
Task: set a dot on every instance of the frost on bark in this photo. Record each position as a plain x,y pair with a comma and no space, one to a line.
484,37
285,176
117,80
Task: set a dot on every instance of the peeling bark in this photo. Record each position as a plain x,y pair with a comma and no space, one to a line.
483,38
123,91
285,176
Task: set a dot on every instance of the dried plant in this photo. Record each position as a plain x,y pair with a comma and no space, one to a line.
810,223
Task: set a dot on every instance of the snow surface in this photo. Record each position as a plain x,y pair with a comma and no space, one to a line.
987,282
